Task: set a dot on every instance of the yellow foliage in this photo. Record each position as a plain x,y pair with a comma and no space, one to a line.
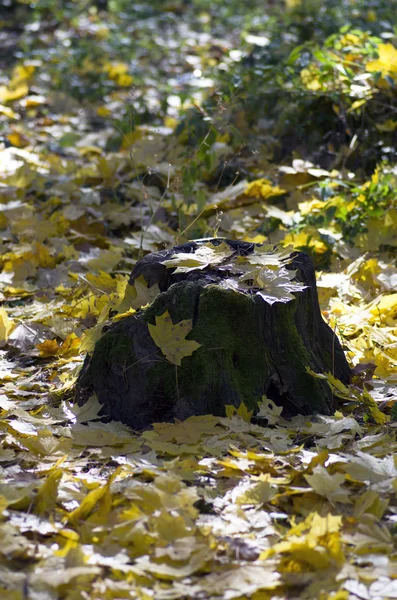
310,78
242,411
311,206
17,87
6,325
70,347
170,122
386,64
99,498
90,508
9,113
256,238
388,125
103,111
88,305
308,238
263,188
293,4
170,338
385,308
9,94
137,295
314,544
103,282
17,139
23,72
46,497
118,72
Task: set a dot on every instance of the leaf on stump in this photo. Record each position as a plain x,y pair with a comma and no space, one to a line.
207,255
137,295
170,338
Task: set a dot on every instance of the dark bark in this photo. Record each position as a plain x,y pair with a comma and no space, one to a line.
248,348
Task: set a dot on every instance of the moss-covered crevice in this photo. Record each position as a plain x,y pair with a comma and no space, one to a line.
291,355
114,347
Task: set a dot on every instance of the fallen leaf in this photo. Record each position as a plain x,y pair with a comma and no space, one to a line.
170,338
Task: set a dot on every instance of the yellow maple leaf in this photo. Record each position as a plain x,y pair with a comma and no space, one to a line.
41,256
90,338
309,238
88,305
207,255
9,113
260,492
386,64
310,78
99,499
23,72
138,295
309,207
46,497
6,325
170,526
48,348
384,307
263,188
86,506
17,139
70,347
118,72
315,542
378,416
102,282
9,94
242,411
269,410
170,338
328,485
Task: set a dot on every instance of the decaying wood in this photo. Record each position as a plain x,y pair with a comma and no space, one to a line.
248,348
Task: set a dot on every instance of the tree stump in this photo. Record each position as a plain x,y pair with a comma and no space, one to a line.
230,322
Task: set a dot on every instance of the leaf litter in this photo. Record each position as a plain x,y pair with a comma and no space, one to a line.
236,507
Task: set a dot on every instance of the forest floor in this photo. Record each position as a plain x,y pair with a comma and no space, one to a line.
129,131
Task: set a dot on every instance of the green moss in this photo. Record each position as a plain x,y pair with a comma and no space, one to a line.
180,300
232,356
114,347
307,389
246,346
236,351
